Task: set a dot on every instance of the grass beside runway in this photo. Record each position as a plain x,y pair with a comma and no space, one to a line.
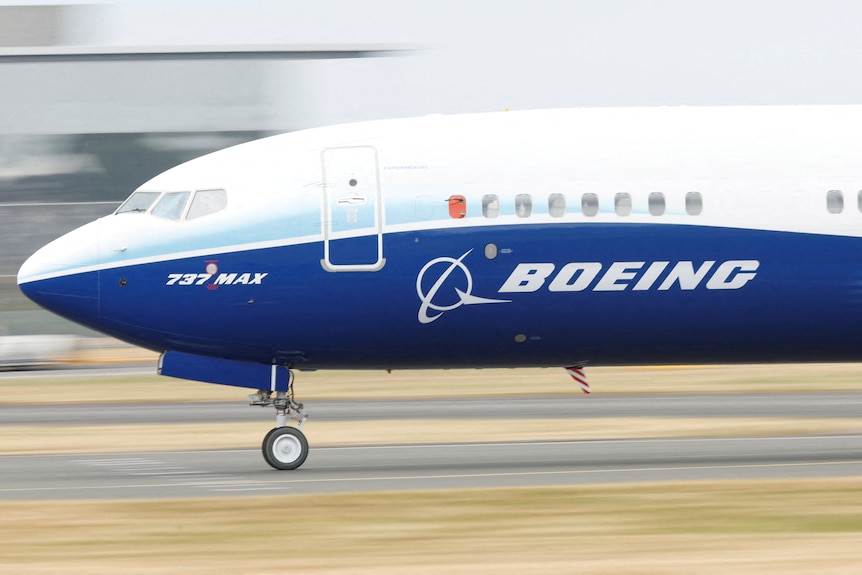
25,439
50,387
712,527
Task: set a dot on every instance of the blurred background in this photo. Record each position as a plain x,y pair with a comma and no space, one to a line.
87,113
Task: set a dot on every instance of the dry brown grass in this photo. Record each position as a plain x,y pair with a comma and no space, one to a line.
444,383
18,439
765,527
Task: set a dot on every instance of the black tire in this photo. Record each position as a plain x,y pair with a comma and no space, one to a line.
285,448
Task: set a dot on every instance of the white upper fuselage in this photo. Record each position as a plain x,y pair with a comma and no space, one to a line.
756,167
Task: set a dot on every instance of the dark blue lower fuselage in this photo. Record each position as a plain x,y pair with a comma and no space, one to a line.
279,305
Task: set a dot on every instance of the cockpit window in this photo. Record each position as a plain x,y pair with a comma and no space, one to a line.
207,202
138,202
172,205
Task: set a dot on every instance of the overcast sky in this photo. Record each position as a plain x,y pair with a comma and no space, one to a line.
477,55
497,53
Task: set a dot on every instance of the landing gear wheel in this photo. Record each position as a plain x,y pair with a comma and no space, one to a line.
285,448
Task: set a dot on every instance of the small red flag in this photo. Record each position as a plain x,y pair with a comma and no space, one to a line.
577,373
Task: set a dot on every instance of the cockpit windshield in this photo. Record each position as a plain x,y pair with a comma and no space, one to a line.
172,205
138,202
207,202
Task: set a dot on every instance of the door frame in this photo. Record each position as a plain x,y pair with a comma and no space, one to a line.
332,187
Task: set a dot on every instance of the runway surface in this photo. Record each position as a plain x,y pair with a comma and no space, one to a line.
355,469
432,466
819,404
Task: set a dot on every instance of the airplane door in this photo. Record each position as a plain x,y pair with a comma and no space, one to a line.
352,211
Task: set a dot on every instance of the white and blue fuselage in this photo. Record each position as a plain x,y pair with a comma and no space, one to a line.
545,238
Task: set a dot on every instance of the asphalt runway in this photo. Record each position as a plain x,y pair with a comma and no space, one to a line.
814,404
230,473
167,474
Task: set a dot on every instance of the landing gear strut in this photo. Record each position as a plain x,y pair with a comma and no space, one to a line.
283,447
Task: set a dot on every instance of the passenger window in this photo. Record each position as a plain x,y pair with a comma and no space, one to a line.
834,201
172,205
623,204
693,203
523,205
556,205
859,200
490,206
207,202
656,203
138,202
589,205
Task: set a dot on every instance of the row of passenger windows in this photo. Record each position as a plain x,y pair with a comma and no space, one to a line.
557,208
172,205
656,204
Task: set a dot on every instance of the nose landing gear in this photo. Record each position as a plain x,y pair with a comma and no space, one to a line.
283,447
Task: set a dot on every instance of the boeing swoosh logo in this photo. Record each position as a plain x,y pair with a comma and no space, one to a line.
464,297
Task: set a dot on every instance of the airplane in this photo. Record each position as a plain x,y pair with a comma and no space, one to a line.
545,238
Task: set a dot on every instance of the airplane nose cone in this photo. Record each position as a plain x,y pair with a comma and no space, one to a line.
62,277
